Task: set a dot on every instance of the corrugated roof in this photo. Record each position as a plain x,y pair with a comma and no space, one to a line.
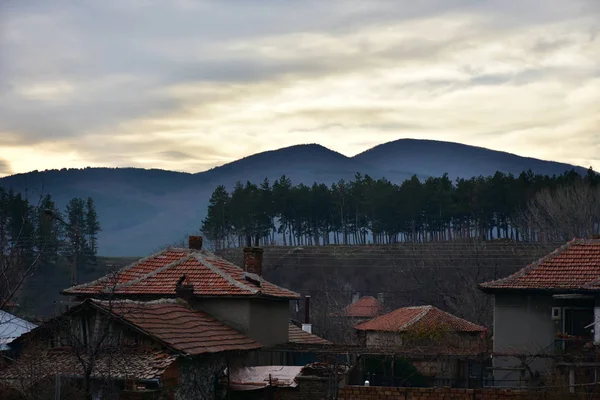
181,328
159,273
11,327
425,317
574,266
298,336
253,378
128,362
365,307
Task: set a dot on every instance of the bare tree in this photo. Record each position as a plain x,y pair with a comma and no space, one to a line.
563,213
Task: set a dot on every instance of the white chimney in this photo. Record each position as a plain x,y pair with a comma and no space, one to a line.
355,297
307,328
380,297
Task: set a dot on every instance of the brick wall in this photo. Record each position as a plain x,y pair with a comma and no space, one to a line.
391,393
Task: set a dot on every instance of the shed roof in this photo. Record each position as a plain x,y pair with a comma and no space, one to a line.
300,337
572,267
185,330
129,362
253,378
11,327
425,317
158,274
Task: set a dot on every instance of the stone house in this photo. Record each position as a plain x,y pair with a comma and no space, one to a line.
548,315
154,347
444,348
194,286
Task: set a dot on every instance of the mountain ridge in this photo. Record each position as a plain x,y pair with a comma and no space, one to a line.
143,209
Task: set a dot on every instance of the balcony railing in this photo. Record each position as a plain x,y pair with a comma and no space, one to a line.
573,344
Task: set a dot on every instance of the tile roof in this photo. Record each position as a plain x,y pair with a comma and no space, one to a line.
298,336
573,266
422,317
365,307
158,274
128,362
179,327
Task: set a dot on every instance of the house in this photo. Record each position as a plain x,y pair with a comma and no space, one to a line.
240,297
179,316
443,348
362,308
359,310
548,314
152,346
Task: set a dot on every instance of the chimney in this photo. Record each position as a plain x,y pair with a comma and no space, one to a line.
253,257
355,297
195,242
307,326
184,291
380,297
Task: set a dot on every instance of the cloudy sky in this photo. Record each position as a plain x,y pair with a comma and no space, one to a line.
187,85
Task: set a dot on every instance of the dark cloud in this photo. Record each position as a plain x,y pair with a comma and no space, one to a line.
5,168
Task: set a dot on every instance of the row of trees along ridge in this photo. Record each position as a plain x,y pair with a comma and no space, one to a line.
367,210
34,236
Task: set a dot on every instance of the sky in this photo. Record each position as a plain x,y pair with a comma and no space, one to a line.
187,85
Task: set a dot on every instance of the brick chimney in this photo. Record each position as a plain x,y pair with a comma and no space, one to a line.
253,258
195,242
184,291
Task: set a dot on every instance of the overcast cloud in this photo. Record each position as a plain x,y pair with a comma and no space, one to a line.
187,85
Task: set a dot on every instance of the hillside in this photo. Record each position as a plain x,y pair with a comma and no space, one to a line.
142,210
444,274
434,158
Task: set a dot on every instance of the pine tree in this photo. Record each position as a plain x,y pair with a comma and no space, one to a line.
92,227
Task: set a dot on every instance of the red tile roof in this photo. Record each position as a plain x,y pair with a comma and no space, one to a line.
130,362
179,327
300,337
574,266
365,307
423,317
159,273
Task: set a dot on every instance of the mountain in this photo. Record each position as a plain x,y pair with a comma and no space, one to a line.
434,158
142,210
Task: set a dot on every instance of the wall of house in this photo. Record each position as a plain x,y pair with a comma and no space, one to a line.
522,324
233,312
382,339
265,321
269,321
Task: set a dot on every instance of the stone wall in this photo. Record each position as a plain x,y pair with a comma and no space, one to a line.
392,393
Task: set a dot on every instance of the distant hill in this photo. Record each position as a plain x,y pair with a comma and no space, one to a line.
142,210
434,158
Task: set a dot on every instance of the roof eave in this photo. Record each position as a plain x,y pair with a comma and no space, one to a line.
496,290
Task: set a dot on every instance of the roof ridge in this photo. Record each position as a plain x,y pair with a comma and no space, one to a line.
204,260
129,301
418,317
525,270
154,272
457,317
125,268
